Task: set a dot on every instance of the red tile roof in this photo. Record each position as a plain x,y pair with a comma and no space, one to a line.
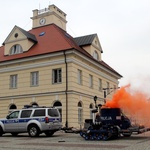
52,39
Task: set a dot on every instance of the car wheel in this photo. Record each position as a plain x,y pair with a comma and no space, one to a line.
14,134
1,131
33,131
49,133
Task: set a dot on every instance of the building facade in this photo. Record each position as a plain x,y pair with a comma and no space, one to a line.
48,67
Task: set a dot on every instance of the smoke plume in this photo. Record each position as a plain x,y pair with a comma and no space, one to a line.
134,104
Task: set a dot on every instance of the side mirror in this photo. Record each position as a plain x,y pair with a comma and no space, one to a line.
7,117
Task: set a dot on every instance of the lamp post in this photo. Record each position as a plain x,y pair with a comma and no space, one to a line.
95,99
97,106
105,94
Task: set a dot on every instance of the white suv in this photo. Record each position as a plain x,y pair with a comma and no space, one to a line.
34,120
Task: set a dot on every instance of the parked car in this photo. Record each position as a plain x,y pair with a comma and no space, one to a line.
34,120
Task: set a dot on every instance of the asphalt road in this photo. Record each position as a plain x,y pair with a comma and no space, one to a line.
69,141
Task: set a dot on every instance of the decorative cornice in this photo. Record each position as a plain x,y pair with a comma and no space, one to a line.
36,65
57,62
31,58
47,94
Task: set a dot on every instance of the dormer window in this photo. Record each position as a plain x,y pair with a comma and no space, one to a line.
95,55
16,49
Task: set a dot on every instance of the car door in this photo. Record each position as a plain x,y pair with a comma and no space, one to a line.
24,118
11,122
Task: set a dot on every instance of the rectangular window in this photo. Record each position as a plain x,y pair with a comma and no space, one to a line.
91,114
13,81
100,84
108,88
80,116
79,76
57,76
90,81
115,88
35,78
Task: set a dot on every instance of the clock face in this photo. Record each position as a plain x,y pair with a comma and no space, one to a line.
42,21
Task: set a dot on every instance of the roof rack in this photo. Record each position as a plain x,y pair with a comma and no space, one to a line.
34,106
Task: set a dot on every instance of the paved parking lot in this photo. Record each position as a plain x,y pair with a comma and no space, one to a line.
69,141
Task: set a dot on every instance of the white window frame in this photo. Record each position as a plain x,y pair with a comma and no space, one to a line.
115,88
80,114
95,55
12,109
59,107
91,108
100,84
108,87
57,76
13,81
35,78
79,76
90,81
16,49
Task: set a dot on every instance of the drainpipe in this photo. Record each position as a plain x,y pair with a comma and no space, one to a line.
66,91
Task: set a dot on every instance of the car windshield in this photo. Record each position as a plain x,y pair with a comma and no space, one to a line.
53,112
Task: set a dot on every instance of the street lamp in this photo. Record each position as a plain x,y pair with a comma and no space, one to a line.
104,89
95,99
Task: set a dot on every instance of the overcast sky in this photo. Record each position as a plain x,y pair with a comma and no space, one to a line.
123,28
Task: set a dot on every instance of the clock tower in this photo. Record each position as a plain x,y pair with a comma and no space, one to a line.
50,15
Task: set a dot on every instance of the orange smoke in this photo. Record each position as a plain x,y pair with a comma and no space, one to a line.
134,105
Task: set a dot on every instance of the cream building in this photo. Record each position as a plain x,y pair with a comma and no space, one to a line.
48,67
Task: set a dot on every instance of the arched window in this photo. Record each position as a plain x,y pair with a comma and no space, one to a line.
12,107
34,104
91,108
95,55
58,105
16,49
80,113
